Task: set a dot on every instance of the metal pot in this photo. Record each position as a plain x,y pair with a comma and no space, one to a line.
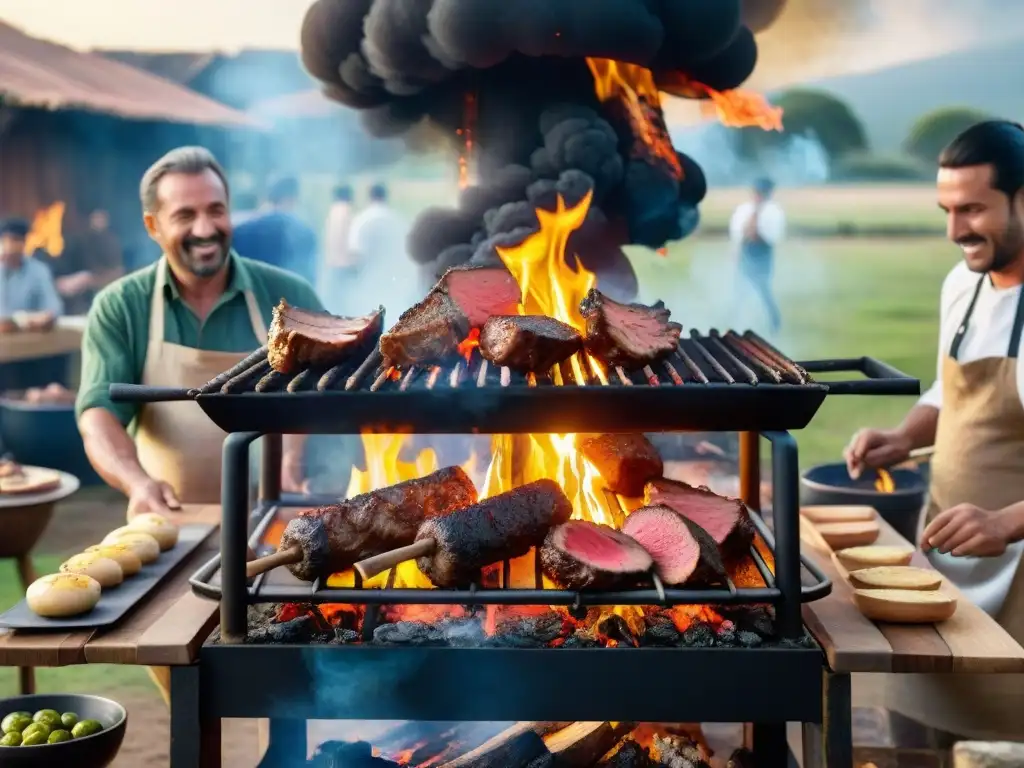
831,485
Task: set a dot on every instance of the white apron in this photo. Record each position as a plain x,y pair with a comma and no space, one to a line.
979,459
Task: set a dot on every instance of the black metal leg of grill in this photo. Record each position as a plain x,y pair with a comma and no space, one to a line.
786,522
829,744
234,499
195,739
750,469
286,747
768,743
270,468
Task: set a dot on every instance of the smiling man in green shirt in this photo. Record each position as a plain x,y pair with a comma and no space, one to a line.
197,311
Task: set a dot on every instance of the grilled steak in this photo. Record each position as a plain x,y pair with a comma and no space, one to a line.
724,518
464,298
301,339
683,552
499,528
629,335
334,537
528,342
625,462
584,555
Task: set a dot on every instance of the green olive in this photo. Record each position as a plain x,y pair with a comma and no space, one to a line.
32,738
11,739
86,728
49,716
58,736
16,722
37,727
68,719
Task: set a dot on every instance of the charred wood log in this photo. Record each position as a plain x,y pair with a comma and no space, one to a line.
517,746
582,744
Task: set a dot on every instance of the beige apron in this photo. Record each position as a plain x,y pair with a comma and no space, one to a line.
979,459
177,442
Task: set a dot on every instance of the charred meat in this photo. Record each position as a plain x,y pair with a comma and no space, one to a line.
481,292
334,537
627,335
528,342
725,519
502,527
683,552
301,339
584,555
625,462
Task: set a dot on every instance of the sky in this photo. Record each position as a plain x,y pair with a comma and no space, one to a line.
160,24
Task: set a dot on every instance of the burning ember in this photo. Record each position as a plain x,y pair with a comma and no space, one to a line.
884,483
46,233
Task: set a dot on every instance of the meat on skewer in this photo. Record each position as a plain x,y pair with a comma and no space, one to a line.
323,541
451,550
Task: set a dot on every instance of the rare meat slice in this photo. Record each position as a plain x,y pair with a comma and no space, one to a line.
584,555
300,338
463,298
481,292
628,335
625,462
528,342
725,519
683,552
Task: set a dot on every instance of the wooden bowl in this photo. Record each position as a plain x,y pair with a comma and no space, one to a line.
839,514
856,558
845,535
905,606
896,577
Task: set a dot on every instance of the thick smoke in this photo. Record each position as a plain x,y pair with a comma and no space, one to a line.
538,127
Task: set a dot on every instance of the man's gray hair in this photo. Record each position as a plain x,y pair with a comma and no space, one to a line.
188,160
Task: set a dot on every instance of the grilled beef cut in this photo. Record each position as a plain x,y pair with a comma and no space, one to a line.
725,519
583,555
464,298
301,339
528,342
499,528
334,537
627,335
683,552
625,462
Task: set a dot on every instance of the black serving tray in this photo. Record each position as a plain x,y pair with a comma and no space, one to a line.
116,602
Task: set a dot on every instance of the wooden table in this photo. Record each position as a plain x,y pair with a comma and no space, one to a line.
63,339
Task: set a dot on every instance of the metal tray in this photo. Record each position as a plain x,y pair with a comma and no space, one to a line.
115,603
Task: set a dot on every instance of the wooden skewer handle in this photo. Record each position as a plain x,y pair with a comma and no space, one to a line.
282,557
371,566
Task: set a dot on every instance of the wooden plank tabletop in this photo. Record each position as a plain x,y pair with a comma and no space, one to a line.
167,628
971,641
33,345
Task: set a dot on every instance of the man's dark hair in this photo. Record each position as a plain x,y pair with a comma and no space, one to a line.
342,193
999,143
379,193
284,189
764,186
15,227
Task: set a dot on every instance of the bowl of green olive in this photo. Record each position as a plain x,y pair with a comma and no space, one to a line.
47,730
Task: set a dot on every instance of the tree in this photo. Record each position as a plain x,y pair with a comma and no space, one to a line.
810,113
935,129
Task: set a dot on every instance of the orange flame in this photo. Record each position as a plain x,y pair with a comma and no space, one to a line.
468,344
466,134
884,483
46,233
741,109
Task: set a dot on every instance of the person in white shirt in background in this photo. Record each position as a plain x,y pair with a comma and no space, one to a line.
973,523
756,229
376,243
339,270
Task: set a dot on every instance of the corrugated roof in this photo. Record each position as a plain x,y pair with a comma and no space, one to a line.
38,73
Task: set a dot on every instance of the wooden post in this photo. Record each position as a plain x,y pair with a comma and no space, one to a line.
750,469
988,754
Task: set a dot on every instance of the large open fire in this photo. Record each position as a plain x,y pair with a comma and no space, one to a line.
46,233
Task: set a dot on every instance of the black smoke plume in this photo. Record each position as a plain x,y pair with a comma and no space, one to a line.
538,128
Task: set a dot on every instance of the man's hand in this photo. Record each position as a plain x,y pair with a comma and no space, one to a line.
876,448
968,531
152,496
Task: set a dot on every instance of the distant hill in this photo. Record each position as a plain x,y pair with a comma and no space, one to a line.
889,100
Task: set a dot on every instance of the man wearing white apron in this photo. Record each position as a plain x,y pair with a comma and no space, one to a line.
195,313
973,525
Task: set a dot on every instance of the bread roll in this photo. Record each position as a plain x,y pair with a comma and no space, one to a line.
855,558
157,526
843,535
905,606
896,577
122,554
144,545
61,595
827,514
106,571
